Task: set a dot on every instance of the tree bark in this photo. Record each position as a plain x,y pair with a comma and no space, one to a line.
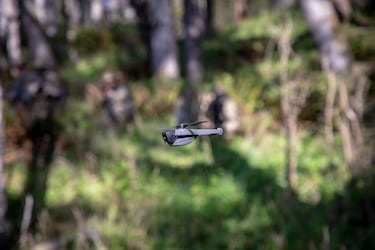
194,30
344,8
322,20
239,11
209,18
163,42
46,13
76,12
42,130
10,10
96,12
187,106
142,9
283,4
125,11
39,48
289,110
3,200
43,146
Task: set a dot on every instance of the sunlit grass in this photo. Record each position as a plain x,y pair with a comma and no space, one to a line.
214,194
15,177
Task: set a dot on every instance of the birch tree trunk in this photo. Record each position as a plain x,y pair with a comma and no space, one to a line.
46,13
113,9
2,19
322,20
40,51
76,12
13,43
194,30
96,11
163,41
3,201
125,11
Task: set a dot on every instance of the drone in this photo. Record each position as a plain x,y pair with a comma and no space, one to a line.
181,134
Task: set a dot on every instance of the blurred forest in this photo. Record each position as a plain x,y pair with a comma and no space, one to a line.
85,85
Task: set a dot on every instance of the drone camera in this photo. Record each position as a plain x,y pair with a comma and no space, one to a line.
169,137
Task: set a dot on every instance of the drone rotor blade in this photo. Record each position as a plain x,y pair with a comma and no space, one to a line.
165,129
196,123
193,123
182,125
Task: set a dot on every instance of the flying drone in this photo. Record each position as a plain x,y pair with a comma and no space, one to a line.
182,135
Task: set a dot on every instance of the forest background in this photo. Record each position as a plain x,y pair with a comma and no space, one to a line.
296,173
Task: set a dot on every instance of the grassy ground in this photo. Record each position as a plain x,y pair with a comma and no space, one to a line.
128,190
140,193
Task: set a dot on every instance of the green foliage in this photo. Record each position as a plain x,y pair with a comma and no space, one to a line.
213,194
15,179
161,197
361,44
89,40
89,69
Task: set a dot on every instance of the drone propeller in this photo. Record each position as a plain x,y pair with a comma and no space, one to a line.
166,129
184,125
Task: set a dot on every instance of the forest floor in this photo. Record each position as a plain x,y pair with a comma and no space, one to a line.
112,189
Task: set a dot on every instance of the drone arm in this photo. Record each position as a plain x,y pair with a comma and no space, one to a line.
183,136
215,131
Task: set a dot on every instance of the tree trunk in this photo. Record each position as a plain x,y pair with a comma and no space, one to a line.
113,9
42,130
188,107
43,146
194,28
283,3
344,8
10,10
239,11
322,20
209,18
46,13
163,42
3,200
291,132
96,12
142,8
39,48
3,21
289,110
76,12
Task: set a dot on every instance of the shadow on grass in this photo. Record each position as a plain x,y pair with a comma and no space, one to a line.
230,204
247,209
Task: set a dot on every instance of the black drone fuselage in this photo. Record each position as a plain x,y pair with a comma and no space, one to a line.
183,136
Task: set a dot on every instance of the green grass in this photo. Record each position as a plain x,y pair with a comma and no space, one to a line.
220,194
202,196
142,194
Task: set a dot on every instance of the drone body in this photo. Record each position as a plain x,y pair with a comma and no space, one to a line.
182,135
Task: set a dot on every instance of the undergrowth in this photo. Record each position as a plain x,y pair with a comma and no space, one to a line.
139,193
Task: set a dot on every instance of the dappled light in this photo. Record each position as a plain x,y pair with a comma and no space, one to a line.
280,91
